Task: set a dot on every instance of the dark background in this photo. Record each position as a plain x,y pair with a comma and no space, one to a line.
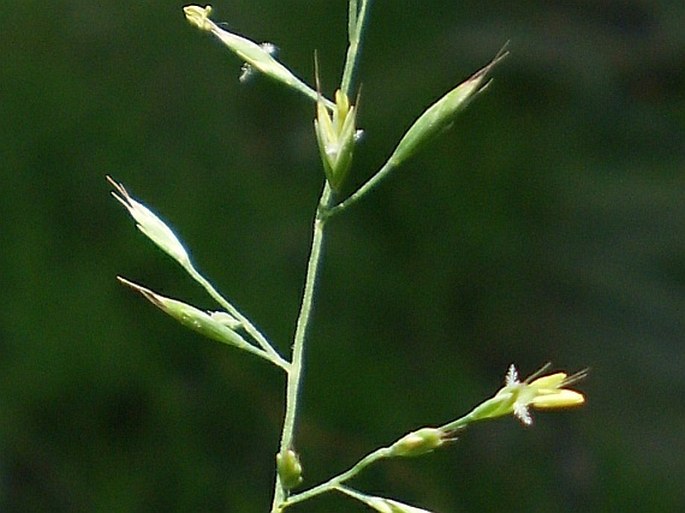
548,224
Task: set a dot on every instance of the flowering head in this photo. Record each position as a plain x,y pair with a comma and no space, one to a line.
289,468
441,114
257,57
208,324
546,392
380,504
151,225
336,136
421,441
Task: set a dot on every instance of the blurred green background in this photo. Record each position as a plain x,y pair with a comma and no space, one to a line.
548,224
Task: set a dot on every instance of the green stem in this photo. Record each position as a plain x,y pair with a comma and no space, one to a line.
335,482
251,329
295,373
459,424
358,17
362,191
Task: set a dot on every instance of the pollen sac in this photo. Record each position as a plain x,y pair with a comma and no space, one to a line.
198,16
289,468
336,136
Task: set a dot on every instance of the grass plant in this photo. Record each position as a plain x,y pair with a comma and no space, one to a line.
337,135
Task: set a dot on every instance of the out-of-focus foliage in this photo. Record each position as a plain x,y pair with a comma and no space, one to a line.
549,223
